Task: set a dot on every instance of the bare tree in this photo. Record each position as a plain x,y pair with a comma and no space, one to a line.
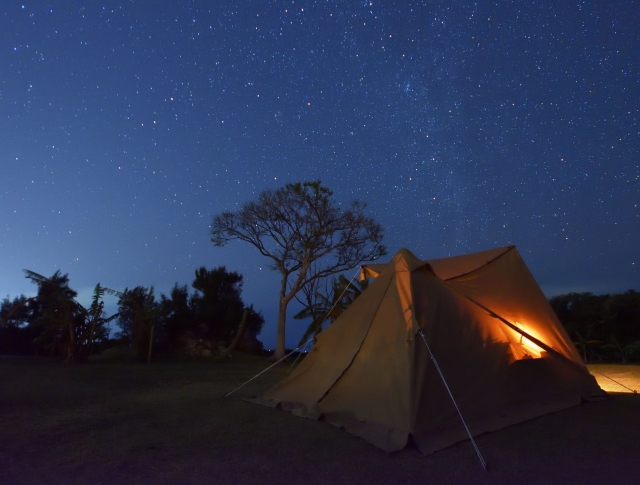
305,234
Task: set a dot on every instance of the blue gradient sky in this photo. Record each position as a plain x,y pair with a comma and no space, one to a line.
126,126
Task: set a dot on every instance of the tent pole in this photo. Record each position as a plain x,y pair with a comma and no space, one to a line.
435,363
536,341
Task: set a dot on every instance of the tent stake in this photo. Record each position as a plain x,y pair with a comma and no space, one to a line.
435,363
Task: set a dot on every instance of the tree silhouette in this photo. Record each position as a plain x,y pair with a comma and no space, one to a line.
625,351
602,326
328,306
62,325
218,307
55,315
624,321
177,316
217,303
137,316
16,336
95,326
306,235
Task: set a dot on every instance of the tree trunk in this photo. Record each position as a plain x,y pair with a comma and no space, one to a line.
90,343
238,337
285,298
282,320
70,349
150,343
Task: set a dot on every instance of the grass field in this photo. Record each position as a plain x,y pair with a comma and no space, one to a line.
170,424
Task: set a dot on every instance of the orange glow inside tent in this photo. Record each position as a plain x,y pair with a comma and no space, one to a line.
529,346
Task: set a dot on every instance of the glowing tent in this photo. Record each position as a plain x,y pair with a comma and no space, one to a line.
500,347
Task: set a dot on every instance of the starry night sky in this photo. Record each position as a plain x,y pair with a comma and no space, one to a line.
126,126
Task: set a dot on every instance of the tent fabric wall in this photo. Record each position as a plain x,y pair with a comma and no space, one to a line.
371,374
507,287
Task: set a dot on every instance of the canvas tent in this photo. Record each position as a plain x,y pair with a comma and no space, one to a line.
501,349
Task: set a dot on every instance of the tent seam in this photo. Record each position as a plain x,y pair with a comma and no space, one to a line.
480,267
358,350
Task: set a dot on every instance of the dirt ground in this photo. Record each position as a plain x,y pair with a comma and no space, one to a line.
617,378
170,424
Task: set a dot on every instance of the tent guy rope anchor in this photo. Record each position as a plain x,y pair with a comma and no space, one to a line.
435,363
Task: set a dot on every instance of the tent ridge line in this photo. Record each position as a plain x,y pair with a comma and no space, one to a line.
509,248
358,350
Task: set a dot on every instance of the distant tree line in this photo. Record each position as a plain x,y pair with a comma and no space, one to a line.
604,328
201,322
305,233
204,322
